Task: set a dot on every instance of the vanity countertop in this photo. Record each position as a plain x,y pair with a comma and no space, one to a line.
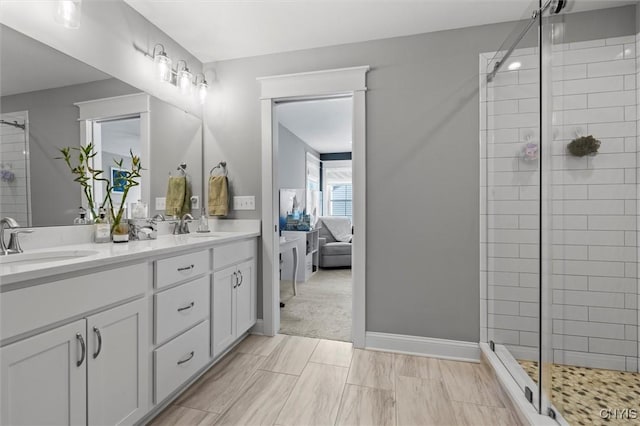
111,253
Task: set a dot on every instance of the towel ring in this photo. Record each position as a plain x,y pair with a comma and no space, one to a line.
182,169
221,165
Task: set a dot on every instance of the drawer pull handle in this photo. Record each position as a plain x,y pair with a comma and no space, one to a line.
188,358
99,336
83,347
241,278
235,274
185,268
189,306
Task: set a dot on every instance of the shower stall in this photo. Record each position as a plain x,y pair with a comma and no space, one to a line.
15,196
559,196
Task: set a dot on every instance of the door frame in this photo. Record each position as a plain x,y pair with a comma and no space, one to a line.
315,84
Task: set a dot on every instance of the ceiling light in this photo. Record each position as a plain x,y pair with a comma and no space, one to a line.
68,13
203,87
163,63
514,66
184,77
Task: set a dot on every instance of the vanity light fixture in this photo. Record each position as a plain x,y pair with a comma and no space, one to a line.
202,87
68,13
163,63
181,76
184,77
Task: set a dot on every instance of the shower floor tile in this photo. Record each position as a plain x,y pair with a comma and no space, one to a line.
581,393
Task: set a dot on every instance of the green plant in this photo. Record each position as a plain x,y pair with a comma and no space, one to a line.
86,175
585,145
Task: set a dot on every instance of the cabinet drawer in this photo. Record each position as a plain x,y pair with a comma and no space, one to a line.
179,308
229,254
179,359
178,268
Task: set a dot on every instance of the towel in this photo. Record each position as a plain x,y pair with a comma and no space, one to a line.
218,196
178,201
340,227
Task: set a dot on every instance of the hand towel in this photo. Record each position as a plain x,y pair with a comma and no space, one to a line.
176,192
186,205
218,196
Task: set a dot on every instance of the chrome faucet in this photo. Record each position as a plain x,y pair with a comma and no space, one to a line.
14,242
182,227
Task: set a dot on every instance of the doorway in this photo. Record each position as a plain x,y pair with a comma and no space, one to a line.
314,164
297,87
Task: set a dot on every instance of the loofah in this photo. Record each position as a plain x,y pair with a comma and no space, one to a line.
585,145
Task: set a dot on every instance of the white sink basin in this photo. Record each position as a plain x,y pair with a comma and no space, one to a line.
44,257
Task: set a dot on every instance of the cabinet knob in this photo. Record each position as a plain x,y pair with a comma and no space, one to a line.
189,306
182,361
99,336
83,347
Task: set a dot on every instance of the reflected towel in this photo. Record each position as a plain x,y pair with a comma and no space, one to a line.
176,192
218,196
186,205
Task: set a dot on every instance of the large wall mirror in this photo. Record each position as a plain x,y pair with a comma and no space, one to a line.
42,93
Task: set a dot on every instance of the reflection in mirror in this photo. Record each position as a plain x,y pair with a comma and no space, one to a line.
39,115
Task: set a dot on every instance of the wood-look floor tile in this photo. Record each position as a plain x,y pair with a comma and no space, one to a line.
423,402
291,355
220,385
366,406
260,401
333,353
316,397
175,415
470,382
372,369
481,415
417,366
259,345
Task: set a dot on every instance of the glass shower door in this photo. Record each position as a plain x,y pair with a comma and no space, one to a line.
510,201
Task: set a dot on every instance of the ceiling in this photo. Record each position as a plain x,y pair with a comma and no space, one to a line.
28,65
324,125
215,30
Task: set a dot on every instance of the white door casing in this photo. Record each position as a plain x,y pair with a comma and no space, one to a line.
344,81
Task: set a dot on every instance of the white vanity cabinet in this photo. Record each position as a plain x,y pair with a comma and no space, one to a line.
89,371
41,381
234,293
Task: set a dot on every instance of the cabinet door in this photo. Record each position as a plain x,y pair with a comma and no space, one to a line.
246,297
118,364
41,381
224,310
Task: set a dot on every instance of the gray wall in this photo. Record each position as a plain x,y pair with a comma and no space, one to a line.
292,159
53,123
422,164
176,137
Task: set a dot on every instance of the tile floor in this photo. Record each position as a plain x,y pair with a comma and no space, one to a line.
290,380
580,392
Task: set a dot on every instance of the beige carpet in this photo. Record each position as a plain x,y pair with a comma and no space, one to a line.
322,307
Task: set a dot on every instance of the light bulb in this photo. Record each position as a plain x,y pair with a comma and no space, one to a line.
68,13
163,66
202,91
185,81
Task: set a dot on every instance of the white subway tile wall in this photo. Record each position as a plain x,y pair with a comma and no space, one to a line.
594,207
14,169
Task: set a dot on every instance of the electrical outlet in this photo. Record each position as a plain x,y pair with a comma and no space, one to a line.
195,202
161,203
244,203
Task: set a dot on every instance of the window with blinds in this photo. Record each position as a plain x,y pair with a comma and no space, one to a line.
340,201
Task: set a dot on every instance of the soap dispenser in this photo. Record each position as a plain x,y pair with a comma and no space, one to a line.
203,223
82,217
102,228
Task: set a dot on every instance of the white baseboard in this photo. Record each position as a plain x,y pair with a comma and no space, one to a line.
258,328
425,346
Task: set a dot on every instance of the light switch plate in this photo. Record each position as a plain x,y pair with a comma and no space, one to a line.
195,202
161,203
247,202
